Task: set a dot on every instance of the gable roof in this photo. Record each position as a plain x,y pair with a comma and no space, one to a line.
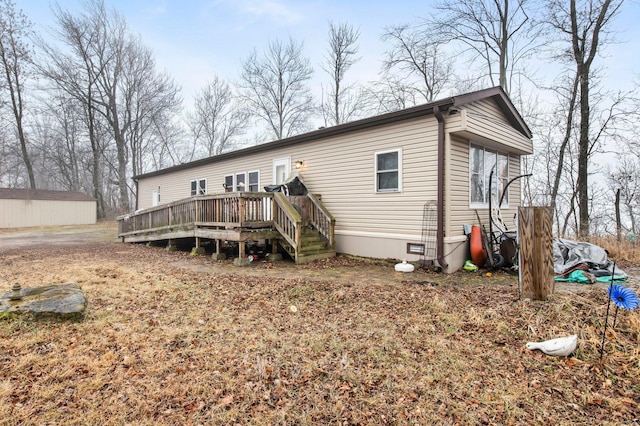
42,194
495,93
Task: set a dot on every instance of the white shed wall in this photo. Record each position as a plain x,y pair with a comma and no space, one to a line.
26,213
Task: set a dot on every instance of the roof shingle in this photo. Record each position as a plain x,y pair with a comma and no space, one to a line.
42,194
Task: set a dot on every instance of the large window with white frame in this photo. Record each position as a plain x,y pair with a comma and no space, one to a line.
482,161
198,187
388,167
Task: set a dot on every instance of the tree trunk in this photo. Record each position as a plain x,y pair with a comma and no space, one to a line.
565,141
25,153
583,153
504,46
618,219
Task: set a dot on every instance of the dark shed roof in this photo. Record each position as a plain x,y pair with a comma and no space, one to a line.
496,93
42,194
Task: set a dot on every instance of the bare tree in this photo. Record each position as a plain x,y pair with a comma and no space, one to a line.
584,27
341,103
149,99
15,59
624,179
500,34
390,94
124,100
416,54
218,117
276,87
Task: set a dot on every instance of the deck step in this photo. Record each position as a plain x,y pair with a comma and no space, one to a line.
312,247
306,258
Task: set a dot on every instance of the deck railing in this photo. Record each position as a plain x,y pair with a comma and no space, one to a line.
241,210
287,220
322,219
233,209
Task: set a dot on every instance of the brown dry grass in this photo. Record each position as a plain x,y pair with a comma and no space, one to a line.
624,251
173,339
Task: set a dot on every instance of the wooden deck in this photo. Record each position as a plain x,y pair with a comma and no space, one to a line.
292,222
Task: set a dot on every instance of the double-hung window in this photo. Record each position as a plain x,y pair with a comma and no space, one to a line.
241,182
238,182
228,183
254,181
198,187
482,161
389,171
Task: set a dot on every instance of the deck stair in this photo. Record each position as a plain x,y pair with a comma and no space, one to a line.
312,247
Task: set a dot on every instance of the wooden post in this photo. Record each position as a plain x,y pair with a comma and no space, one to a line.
536,253
241,213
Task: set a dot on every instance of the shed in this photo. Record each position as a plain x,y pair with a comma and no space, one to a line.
40,207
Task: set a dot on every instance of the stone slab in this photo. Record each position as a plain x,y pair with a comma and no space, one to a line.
60,302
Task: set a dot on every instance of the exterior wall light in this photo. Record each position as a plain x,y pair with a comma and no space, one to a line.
299,164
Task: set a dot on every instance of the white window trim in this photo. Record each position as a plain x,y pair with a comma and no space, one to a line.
235,181
249,179
154,198
479,206
197,181
286,161
375,174
226,188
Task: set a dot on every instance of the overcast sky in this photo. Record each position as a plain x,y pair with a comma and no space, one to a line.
192,39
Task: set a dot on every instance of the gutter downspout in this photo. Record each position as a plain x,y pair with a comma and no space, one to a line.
440,219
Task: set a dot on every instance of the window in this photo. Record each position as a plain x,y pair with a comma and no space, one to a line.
281,170
240,182
198,187
388,171
482,161
254,181
228,183
155,197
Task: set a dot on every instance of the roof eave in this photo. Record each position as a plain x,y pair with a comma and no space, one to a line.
505,104
366,123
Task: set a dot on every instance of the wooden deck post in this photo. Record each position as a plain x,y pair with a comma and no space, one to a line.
198,250
536,253
217,255
241,212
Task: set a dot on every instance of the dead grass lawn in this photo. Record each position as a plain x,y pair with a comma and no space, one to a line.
173,339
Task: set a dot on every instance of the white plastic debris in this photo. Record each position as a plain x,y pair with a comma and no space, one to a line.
562,346
404,267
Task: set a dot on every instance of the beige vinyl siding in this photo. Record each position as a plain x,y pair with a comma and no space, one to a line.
342,170
484,122
27,213
457,198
